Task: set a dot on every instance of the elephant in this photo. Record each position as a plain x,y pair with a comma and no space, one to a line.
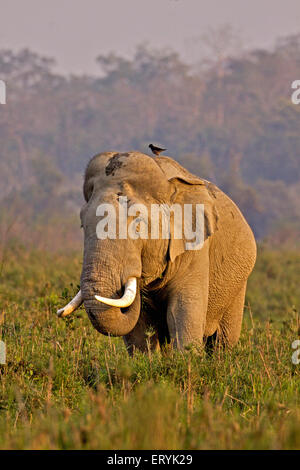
154,292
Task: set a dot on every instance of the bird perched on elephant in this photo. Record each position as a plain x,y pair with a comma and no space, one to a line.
156,150
189,295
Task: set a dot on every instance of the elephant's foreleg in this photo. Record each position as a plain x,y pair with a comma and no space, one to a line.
186,321
187,306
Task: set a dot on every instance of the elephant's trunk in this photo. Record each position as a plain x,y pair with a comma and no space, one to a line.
103,277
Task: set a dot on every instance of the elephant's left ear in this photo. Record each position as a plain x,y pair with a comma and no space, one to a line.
173,170
185,194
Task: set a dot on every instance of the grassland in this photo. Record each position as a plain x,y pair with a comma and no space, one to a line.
65,386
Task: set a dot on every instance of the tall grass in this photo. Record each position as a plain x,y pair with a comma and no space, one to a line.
65,386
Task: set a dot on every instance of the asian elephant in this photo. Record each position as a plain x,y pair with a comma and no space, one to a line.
130,286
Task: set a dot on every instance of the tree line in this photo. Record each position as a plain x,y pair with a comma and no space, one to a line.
230,120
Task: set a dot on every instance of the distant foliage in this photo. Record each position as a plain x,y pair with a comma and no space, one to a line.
231,121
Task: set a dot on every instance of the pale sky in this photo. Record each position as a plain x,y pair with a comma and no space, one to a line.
75,32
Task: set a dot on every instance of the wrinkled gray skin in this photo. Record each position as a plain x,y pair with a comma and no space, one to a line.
188,296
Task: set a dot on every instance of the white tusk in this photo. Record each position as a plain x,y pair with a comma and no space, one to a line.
71,306
126,300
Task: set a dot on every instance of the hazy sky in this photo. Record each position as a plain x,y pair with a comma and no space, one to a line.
75,32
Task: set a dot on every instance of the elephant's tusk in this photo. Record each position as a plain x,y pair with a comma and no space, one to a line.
71,306
126,300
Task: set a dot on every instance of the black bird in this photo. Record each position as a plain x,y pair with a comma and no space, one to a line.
156,150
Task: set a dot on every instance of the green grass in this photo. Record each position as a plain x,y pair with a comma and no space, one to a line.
67,387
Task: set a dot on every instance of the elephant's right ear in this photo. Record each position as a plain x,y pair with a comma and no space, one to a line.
88,187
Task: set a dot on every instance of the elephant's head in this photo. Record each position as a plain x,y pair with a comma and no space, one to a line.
119,267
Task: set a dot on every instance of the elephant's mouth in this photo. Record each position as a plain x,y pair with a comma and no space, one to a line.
127,298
